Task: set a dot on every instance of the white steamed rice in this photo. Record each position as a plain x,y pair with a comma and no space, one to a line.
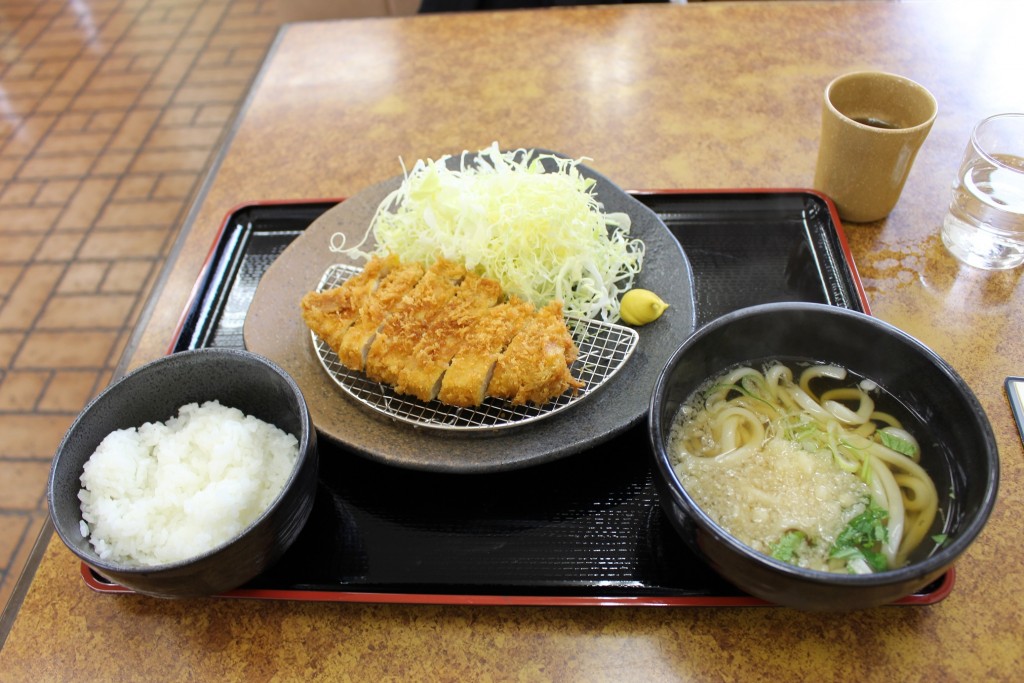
167,492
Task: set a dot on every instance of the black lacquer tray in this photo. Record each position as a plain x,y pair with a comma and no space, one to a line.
584,530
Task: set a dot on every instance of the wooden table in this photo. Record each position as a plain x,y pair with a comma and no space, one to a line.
711,95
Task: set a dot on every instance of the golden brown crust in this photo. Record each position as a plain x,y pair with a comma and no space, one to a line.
410,319
535,366
465,381
437,333
331,313
372,313
433,352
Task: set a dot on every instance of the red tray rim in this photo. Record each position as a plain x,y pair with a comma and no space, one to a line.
496,600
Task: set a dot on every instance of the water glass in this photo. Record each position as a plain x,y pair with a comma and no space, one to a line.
985,223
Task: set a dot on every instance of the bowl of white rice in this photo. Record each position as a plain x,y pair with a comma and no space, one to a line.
189,476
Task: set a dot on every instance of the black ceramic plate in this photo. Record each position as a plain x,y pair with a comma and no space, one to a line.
274,328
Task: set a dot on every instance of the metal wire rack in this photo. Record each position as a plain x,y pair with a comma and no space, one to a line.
603,347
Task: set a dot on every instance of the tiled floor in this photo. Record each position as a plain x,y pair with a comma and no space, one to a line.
109,110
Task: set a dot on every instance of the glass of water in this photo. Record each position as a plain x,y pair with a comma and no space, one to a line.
985,223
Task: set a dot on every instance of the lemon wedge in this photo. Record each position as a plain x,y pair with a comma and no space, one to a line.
641,306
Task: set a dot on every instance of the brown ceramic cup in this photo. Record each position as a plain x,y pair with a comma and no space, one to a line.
872,126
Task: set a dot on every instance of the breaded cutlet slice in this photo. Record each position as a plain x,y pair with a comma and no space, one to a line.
464,383
411,318
421,375
396,284
534,368
330,313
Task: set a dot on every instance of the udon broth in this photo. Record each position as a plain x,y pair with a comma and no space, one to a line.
798,462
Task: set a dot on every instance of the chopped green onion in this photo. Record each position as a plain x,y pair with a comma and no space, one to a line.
786,548
897,444
863,538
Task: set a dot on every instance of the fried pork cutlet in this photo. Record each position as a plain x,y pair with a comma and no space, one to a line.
534,368
440,333
410,320
357,339
422,371
332,312
465,382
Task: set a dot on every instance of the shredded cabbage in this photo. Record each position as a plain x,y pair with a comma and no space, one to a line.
542,235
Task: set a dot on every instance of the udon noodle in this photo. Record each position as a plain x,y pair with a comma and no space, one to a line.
824,481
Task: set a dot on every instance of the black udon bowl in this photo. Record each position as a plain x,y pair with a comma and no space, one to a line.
154,392
958,446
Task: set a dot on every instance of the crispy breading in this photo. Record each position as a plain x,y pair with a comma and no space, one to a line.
438,344
440,333
410,319
465,381
373,311
534,368
330,313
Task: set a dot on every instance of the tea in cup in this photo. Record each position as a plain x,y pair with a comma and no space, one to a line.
872,126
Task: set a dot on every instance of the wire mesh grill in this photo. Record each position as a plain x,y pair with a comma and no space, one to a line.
603,347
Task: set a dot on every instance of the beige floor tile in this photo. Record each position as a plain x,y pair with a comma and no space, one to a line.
170,160
175,185
106,121
10,342
35,524
24,485
60,246
87,203
64,166
12,531
73,143
54,103
9,168
72,122
27,218
202,136
204,93
21,391
129,214
112,163
9,274
124,244
134,129
68,391
135,187
77,75
19,248
215,114
86,312
20,193
34,287
127,276
57,192
83,277
104,130
65,350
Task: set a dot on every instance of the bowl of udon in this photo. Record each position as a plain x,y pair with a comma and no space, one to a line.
820,458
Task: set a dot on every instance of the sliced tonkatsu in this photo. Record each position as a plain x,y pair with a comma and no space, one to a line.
410,319
442,332
433,352
465,381
375,308
332,312
534,368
